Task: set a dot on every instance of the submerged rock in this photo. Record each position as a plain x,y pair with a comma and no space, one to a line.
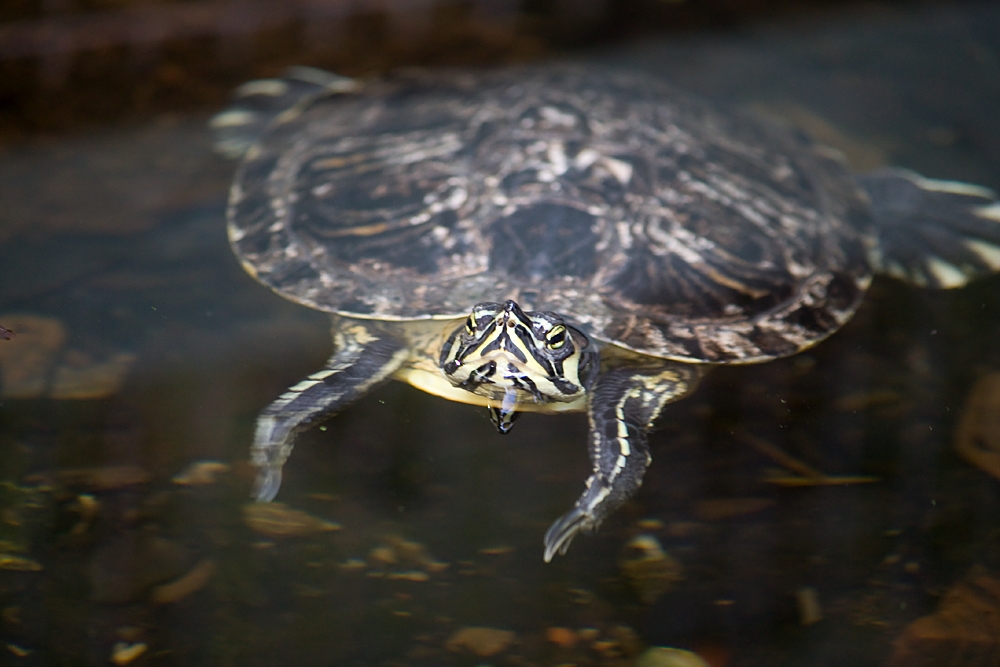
964,630
127,566
662,656
977,436
649,570
280,520
200,473
36,364
484,642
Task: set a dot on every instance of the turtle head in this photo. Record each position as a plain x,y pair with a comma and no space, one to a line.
513,357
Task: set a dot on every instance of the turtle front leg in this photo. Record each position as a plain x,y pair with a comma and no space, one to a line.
622,408
364,357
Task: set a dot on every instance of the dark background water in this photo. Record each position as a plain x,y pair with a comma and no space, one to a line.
143,347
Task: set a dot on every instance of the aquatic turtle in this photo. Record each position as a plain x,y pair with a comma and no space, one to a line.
560,238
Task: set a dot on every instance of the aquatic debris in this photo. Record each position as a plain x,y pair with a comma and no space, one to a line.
802,473
19,651
482,641
409,575
190,583
663,656
6,334
123,654
977,436
866,399
649,570
965,625
200,473
19,564
280,520
104,478
719,509
499,550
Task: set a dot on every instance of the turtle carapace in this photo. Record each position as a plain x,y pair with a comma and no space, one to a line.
559,238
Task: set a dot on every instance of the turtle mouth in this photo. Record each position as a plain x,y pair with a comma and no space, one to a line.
498,377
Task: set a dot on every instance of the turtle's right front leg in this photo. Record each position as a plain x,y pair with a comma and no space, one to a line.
364,356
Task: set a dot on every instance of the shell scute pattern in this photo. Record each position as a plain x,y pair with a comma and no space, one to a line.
652,220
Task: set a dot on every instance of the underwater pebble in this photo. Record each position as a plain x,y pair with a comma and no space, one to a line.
280,520
662,656
200,473
128,565
398,550
188,584
810,610
484,642
964,630
80,377
561,637
649,570
27,360
123,654
34,364
977,435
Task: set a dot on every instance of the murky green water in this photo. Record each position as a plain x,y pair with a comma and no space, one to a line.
142,348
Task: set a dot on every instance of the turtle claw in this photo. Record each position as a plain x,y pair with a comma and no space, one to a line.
561,533
266,486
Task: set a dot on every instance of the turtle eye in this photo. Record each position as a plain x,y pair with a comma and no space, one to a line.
470,324
556,337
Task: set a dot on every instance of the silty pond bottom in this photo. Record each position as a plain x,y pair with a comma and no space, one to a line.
410,533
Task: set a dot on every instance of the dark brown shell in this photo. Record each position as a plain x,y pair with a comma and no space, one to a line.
646,216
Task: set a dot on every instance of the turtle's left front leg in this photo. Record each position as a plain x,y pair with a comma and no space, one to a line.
364,356
623,405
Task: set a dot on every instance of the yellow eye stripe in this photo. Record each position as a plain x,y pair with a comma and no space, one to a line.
556,338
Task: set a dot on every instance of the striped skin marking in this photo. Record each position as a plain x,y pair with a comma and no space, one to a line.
649,391
515,358
991,212
619,452
363,358
951,187
987,252
947,275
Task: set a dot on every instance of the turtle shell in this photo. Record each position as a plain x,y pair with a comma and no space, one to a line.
644,215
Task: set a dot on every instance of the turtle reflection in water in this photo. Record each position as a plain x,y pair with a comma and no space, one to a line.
558,239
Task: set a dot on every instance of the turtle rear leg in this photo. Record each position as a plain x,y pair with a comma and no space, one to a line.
622,407
364,357
256,103
933,233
